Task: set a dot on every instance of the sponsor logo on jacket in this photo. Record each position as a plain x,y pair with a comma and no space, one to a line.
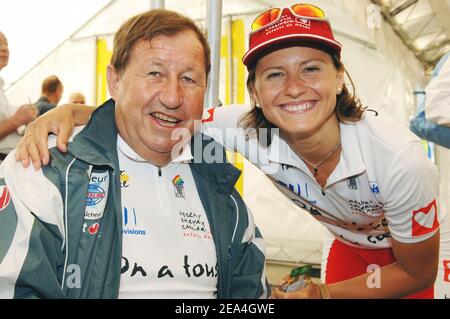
97,195
91,229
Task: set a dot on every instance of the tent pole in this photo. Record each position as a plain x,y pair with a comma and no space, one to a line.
157,4
213,27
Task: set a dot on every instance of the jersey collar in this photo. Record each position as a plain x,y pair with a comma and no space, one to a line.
125,149
350,164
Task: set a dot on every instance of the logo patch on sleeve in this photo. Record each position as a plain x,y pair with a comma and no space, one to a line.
5,197
208,116
425,220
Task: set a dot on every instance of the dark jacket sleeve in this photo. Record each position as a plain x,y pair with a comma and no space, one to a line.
248,280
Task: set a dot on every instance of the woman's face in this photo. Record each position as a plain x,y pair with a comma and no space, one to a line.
297,88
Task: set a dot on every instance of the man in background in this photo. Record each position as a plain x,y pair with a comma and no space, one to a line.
52,90
77,98
11,118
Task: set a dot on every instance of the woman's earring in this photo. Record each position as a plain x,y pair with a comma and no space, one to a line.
258,106
339,91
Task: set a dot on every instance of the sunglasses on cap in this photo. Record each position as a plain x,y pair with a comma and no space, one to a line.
300,10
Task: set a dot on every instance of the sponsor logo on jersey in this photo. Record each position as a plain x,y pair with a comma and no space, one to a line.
425,220
374,239
365,208
5,197
300,190
375,188
124,179
209,116
130,223
446,270
178,183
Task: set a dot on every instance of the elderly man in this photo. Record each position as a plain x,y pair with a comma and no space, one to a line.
118,216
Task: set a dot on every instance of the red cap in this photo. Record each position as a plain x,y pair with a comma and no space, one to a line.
289,28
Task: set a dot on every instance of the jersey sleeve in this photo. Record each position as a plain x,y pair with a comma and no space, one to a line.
222,124
412,204
437,105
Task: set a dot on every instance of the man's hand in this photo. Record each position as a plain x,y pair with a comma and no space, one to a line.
58,121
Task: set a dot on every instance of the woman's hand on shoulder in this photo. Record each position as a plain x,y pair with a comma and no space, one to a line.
60,121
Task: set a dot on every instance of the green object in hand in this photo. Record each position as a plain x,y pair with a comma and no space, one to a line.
301,271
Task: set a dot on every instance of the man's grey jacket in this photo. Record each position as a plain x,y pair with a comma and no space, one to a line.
44,252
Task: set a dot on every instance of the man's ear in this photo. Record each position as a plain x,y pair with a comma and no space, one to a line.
112,78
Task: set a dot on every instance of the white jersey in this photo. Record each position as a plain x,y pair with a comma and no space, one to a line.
383,185
168,249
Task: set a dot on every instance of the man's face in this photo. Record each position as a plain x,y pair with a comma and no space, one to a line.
4,51
161,90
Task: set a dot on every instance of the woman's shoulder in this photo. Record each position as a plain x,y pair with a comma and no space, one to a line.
228,116
379,129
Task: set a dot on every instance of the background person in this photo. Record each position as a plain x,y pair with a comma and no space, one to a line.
77,98
437,105
52,90
11,118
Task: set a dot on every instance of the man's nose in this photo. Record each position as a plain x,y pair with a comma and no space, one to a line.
171,95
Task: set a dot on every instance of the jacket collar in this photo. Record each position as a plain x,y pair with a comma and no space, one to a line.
97,142
125,149
220,173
